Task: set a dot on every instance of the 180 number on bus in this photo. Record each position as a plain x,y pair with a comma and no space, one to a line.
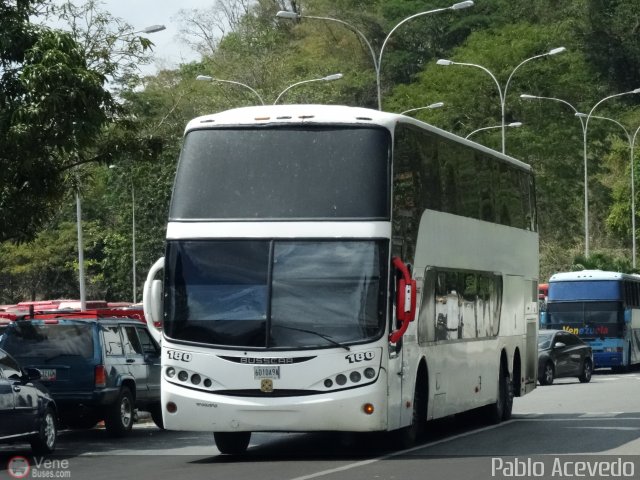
360,357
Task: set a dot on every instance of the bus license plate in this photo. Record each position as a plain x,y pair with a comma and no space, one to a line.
266,372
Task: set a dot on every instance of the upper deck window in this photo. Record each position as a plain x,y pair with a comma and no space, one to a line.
265,173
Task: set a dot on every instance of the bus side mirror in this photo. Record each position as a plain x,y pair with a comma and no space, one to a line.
152,300
405,300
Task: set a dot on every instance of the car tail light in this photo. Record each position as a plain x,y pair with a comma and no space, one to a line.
100,376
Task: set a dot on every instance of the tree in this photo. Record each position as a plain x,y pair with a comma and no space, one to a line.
51,106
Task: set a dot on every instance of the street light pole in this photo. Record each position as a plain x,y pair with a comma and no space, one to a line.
81,277
584,154
297,16
133,241
511,125
428,107
631,141
328,78
376,62
455,6
207,78
502,92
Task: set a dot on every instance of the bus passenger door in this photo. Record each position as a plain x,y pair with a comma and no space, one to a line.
402,343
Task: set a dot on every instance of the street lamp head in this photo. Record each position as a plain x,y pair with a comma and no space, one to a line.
335,76
581,115
287,14
526,96
153,29
461,5
514,124
444,62
204,78
554,51
435,105
637,90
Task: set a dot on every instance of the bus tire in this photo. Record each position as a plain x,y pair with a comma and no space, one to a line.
409,435
587,370
232,443
502,408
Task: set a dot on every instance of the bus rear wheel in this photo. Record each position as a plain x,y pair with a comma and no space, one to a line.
502,408
232,443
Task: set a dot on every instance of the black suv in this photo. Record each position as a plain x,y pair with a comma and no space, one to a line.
27,411
96,368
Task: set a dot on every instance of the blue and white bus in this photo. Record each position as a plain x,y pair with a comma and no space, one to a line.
602,308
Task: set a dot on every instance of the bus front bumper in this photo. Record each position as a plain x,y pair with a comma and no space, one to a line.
332,411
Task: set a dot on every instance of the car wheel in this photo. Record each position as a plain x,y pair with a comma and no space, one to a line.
232,443
45,440
119,418
547,374
587,370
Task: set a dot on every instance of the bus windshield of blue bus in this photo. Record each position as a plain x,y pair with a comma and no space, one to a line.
284,172
272,294
587,319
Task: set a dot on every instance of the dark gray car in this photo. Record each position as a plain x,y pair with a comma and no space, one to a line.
563,354
27,410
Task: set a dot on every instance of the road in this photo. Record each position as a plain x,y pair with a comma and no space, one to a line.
552,428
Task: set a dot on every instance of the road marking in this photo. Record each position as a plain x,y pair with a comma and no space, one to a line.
609,428
600,414
395,454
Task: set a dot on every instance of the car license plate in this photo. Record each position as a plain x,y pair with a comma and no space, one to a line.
266,372
47,374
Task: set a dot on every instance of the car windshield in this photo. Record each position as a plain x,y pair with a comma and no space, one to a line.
544,340
26,339
275,293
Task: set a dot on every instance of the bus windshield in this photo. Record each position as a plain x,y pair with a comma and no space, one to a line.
275,293
311,172
587,319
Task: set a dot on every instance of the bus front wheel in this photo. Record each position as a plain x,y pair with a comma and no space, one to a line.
232,443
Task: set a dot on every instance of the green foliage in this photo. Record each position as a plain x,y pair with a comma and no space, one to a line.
55,115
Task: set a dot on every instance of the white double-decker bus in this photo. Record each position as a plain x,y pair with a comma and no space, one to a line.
331,268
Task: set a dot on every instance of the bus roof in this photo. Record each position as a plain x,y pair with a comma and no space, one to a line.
588,275
324,114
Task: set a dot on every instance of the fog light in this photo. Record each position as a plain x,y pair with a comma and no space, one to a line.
369,372
341,379
183,376
196,379
367,408
172,407
171,372
355,377
328,383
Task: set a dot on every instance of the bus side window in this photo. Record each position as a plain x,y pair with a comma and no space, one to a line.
426,324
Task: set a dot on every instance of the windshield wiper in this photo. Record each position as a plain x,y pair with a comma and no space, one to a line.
321,335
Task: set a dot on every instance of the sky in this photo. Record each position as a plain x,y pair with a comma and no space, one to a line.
168,51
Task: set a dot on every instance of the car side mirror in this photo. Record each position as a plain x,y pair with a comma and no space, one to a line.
33,374
559,345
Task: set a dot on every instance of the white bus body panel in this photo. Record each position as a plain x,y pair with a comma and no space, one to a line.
339,410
